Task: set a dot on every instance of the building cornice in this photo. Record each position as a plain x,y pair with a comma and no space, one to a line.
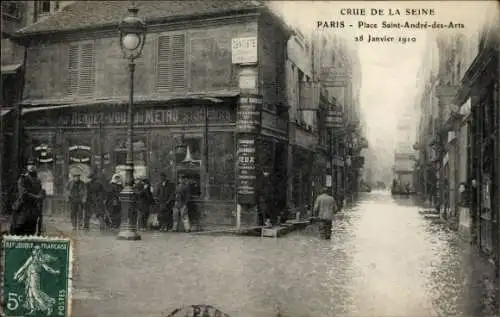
478,66
154,26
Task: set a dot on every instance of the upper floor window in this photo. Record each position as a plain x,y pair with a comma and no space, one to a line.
42,8
12,9
81,69
171,62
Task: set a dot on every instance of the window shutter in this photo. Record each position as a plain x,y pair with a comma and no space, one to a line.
87,69
164,70
178,61
171,61
73,70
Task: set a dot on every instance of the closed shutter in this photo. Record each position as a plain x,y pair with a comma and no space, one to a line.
73,69
164,69
178,61
87,69
171,62
81,69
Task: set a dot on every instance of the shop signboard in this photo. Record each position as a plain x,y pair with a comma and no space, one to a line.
153,117
244,50
249,114
334,119
247,170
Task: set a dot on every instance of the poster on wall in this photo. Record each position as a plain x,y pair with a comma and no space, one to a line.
247,173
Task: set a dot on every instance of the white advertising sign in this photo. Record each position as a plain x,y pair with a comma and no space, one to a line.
244,50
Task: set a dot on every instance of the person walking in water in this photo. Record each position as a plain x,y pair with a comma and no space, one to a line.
324,208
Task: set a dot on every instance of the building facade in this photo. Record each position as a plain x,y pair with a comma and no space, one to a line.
308,102
404,156
465,105
340,73
205,74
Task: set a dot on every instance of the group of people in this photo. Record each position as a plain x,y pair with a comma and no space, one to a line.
93,198
102,199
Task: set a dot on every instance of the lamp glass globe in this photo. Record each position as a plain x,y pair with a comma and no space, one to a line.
131,41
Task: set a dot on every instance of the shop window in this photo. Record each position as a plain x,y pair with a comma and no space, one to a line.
221,166
171,62
190,164
42,8
44,155
81,69
139,158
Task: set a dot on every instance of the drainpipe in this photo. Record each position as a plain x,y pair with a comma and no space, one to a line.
18,125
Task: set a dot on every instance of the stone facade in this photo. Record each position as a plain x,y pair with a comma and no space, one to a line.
83,72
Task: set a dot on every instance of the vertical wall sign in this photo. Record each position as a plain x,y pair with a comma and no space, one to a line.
249,114
247,170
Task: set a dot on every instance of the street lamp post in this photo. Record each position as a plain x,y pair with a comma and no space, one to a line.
132,38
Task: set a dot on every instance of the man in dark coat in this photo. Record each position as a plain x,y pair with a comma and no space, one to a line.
96,194
27,209
77,196
165,195
144,201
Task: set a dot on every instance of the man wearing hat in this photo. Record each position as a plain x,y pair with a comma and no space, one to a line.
27,209
96,195
165,195
77,196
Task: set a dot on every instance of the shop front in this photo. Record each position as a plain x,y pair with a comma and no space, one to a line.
92,138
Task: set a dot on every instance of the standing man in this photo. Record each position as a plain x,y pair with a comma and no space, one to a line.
165,195
180,211
27,212
324,208
77,195
96,194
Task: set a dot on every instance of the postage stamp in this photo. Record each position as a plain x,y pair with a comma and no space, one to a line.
36,276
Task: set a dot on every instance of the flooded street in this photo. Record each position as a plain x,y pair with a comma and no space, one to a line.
384,259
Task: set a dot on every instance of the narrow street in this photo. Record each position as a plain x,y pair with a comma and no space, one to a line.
384,259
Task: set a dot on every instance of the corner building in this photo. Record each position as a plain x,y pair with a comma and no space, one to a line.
211,77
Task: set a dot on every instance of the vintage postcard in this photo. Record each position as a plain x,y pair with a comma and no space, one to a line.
250,158
36,276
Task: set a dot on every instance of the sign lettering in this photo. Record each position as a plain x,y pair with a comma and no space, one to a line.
247,175
249,116
151,117
244,50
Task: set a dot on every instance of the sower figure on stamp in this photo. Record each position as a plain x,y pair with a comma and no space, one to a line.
96,194
165,195
27,208
324,208
180,211
77,196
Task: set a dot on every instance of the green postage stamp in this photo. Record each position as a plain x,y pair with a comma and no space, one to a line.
36,276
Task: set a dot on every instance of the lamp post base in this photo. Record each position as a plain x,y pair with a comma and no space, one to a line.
129,235
128,230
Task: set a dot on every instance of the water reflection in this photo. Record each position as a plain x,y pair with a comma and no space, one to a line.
384,259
